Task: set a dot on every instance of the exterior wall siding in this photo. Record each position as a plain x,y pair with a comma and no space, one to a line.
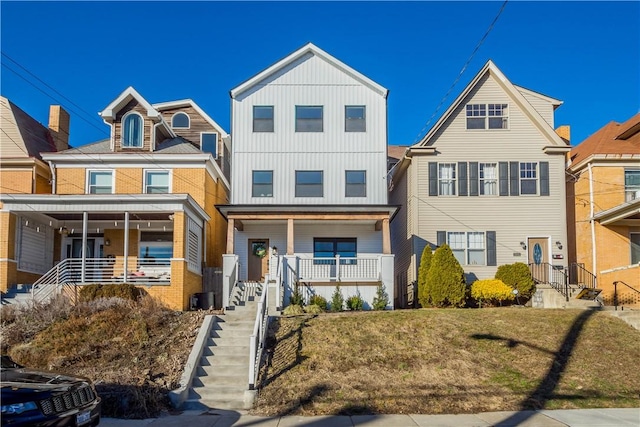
197,125
544,108
129,181
133,105
8,265
16,180
71,181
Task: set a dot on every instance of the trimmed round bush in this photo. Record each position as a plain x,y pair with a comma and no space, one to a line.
319,301
491,291
517,276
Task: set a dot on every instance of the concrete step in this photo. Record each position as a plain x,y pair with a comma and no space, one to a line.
226,370
224,362
201,405
228,351
230,341
213,395
229,382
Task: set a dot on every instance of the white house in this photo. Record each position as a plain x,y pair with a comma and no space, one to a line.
309,153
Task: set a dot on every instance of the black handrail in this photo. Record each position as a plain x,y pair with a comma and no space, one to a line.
552,275
580,276
615,292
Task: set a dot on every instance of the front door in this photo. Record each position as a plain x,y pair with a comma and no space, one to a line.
258,263
76,248
539,258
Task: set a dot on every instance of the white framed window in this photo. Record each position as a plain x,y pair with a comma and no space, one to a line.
209,143
356,183
447,179
488,179
631,184
309,118
309,184
528,178
634,241
469,248
100,182
180,120
487,116
262,184
157,181
355,118
132,130
263,118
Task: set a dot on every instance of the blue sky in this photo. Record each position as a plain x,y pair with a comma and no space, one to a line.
584,53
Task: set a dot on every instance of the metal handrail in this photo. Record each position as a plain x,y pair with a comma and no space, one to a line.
615,291
257,340
580,276
547,273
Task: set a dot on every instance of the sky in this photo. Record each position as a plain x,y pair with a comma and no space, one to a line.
82,55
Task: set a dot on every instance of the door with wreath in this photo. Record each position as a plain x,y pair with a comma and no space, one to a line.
258,264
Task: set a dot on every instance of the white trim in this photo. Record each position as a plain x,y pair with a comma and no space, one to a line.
109,113
169,178
87,186
180,127
217,154
553,101
122,126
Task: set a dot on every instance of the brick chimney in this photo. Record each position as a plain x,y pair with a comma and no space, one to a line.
564,132
59,126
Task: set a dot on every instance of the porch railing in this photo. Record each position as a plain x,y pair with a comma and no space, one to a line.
339,269
257,339
578,275
551,275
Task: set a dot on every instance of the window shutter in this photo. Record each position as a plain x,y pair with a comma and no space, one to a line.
433,178
544,178
441,237
491,248
504,178
473,178
462,178
514,172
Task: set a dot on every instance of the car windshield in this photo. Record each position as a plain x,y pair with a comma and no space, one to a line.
7,363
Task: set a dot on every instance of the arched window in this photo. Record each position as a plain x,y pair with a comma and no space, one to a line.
180,120
132,126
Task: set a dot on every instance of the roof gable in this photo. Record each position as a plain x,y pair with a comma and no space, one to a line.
22,135
308,49
109,113
161,106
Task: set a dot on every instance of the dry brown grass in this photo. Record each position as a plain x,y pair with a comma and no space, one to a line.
436,361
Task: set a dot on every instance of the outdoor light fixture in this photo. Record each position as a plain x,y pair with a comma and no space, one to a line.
524,245
558,244
107,242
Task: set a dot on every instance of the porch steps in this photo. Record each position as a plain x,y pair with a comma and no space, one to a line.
222,376
17,295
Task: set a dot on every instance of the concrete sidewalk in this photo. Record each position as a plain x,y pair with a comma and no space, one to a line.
614,417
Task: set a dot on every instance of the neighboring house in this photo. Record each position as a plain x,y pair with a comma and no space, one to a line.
309,178
488,180
603,188
137,207
22,171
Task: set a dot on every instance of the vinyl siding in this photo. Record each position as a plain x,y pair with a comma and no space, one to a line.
542,106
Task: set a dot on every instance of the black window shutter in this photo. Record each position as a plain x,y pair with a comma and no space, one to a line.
473,178
491,248
544,178
514,178
462,178
441,237
504,178
433,178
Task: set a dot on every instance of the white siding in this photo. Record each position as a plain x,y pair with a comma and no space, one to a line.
541,105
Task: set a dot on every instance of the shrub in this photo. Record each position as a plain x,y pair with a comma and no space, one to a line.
517,276
381,300
337,300
293,310
491,291
355,302
445,284
423,273
121,290
296,297
313,309
318,300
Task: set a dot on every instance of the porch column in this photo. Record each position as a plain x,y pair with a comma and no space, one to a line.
230,234
386,237
85,225
290,236
126,247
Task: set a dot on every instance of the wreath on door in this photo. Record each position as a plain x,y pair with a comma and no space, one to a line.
260,251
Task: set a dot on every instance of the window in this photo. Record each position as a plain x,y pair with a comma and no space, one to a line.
132,127
262,184
308,118
156,182
467,247
263,118
209,143
488,179
156,245
354,119
447,179
356,183
100,182
634,239
309,184
631,185
528,178
180,121
324,247
487,116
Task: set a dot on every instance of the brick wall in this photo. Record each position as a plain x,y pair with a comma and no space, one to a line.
8,269
70,181
16,181
129,181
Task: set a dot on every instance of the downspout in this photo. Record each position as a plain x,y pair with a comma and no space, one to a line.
53,177
593,225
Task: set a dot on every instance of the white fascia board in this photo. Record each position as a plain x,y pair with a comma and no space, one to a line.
189,102
109,113
618,160
553,101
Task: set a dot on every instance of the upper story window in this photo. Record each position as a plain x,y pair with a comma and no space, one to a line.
487,116
100,182
354,118
132,130
528,178
309,184
346,247
631,184
180,121
467,247
488,179
263,118
356,183
262,184
309,118
156,182
209,143
634,240
447,179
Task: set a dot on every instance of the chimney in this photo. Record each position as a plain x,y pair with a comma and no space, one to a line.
564,132
59,126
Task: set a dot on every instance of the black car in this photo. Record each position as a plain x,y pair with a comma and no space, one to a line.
37,398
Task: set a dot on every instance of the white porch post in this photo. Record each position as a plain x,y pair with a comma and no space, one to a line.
337,268
126,247
290,237
85,226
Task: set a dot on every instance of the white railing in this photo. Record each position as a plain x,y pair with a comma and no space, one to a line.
256,342
339,269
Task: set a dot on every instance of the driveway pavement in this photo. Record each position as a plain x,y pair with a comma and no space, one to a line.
611,417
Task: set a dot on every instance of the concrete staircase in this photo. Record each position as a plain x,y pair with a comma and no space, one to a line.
17,295
222,378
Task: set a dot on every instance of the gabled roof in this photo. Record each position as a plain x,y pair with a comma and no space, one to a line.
612,138
513,92
22,136
161,106
109,113
555,102
314,50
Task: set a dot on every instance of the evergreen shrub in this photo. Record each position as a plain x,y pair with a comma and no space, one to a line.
491,291
381,300
423,273
355,302
517,276
318,300
121,290
337,300
445,284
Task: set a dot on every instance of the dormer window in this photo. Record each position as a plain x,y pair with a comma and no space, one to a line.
132,126
180,121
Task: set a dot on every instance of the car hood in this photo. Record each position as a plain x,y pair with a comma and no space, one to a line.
39,380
